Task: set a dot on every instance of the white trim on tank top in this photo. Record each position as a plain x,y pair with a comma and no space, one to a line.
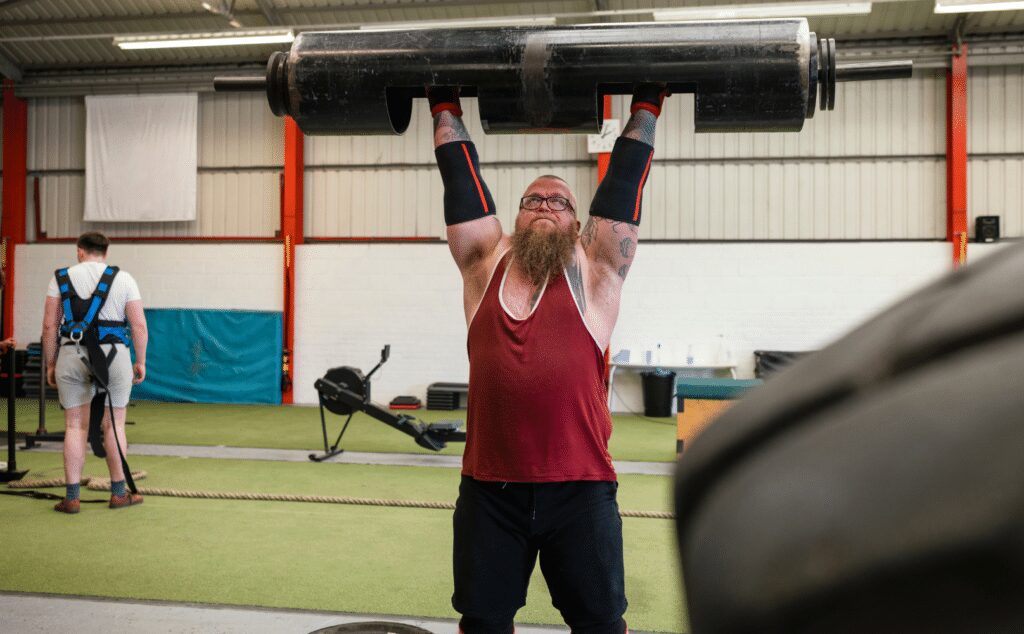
487,286
501,300
582,317
501,294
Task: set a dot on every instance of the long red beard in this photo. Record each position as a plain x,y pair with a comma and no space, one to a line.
541,254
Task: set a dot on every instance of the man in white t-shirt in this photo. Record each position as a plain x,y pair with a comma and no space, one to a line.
67,370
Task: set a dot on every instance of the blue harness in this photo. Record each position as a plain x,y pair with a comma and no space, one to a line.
80,314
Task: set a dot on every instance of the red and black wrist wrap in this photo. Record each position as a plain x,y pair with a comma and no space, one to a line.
620,194
466,196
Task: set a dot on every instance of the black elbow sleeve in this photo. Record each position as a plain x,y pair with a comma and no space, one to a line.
466,196
620,194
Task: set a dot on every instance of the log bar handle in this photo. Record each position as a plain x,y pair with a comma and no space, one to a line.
868,71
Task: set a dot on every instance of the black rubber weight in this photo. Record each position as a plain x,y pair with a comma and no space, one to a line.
875,485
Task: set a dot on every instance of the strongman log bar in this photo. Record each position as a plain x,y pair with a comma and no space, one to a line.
752,75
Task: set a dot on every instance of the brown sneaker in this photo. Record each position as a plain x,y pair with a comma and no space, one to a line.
128,499
68,506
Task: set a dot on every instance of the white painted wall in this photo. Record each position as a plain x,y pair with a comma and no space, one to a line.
217,276
354,298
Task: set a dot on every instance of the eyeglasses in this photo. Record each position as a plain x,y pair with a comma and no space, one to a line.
555,203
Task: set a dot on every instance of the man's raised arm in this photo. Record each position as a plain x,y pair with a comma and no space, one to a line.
473,229
610,237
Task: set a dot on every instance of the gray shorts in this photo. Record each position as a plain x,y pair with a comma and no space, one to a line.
74,383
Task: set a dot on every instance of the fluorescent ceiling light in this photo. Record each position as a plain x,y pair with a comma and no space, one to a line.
972,6
454,24
772,10
230,38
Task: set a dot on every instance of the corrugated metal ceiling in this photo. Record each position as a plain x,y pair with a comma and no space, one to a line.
37,35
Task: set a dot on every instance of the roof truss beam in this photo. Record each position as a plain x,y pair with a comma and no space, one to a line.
9,69
270,12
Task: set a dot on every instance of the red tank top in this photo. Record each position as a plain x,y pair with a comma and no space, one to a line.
537,406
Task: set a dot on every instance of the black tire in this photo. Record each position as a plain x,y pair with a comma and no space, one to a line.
877,485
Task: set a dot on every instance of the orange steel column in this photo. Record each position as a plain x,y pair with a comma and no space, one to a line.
291,236
956,154
604,157
15,156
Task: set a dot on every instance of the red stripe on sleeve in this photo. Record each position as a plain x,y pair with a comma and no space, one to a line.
479,188
640,189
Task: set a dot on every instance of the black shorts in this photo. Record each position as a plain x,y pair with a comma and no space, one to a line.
500,528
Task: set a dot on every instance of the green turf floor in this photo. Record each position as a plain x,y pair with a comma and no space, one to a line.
295,555
633,437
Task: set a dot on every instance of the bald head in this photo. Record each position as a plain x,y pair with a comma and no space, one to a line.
550,185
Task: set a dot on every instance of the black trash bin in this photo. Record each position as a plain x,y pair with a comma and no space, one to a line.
659,387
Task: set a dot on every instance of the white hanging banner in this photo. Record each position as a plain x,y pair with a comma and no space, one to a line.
141,154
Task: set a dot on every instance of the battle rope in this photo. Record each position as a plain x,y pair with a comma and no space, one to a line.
103,484
59,482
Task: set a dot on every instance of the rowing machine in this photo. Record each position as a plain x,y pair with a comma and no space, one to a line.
345,390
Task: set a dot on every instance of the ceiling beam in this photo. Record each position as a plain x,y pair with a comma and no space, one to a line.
269,12
9,69
10,4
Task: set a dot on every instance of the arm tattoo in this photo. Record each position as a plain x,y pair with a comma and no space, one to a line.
626,247
448,128
588,235
641,127
612,249
574,274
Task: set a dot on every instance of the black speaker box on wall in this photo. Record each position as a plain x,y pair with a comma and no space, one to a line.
986,229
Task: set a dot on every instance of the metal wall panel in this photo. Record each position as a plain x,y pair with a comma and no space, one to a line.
231,204
822,200
56,134
61,204
995,169
239,130
243,204
915,17
708,186
995,110
995,187
407,201
886,118
235,131
373,202
887,184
